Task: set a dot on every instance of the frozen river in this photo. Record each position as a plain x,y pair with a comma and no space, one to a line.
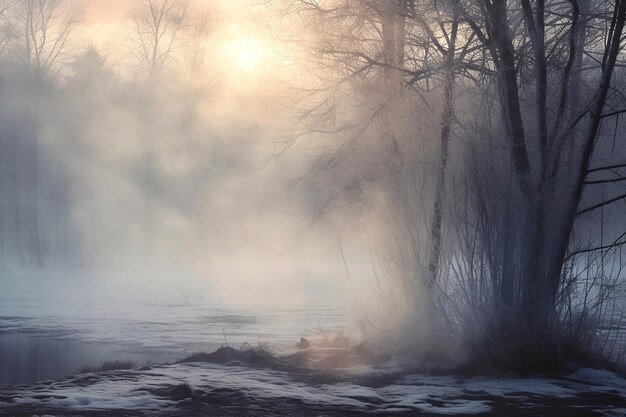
53,325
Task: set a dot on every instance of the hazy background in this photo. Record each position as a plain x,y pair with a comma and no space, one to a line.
187,168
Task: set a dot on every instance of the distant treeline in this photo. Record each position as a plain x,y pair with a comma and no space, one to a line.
99,162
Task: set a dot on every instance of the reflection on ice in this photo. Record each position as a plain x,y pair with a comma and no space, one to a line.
31,357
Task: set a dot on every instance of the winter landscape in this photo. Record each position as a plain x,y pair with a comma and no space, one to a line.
312,207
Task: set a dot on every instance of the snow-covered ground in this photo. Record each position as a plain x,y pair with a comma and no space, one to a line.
210,389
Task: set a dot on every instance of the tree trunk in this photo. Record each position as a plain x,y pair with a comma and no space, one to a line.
447,119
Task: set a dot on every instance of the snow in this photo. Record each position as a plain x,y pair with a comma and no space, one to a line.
442,395
606,377
455,407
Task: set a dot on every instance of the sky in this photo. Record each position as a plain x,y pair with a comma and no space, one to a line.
104,18
242,54
101,11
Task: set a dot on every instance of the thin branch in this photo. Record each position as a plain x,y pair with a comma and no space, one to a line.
602,204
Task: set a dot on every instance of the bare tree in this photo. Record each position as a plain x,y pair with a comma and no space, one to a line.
43,29
546,69
157,27
195,51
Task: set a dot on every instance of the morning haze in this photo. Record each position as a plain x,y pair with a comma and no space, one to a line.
312,207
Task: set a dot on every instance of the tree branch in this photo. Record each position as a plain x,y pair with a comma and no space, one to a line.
602,204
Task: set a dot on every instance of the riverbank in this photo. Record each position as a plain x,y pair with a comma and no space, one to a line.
231,384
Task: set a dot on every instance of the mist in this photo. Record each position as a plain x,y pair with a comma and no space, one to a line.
150,164
311,206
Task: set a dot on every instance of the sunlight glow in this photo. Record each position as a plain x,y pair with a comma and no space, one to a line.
248,54
249,57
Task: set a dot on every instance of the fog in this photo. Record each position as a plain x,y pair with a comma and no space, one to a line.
113,161
436,180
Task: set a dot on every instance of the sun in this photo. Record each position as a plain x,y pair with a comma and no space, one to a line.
249,57
250,61
248,53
